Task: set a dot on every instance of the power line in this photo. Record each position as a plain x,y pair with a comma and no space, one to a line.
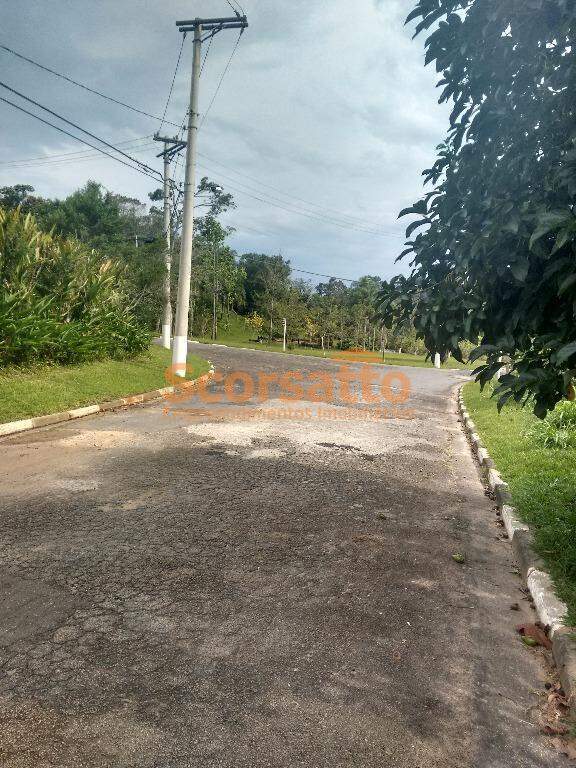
163,120
62,130
293,197
226,68
55,158
318,274
83,130
308,214
236,10
206,55
89,156
78,156
173,81
82,85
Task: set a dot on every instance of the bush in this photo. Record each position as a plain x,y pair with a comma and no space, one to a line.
59,301
558,429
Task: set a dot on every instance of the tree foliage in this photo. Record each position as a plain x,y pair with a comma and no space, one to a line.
493,246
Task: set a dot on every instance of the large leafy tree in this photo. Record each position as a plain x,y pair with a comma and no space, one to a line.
267,284
493,247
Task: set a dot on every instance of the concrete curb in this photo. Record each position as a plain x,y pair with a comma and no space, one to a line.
549,609
23,425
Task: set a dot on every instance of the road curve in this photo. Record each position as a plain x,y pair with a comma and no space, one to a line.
262,582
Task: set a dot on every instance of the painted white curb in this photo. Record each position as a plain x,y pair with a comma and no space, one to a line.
23,425
551,611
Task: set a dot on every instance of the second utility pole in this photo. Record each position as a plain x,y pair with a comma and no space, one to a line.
180,346
198,26
171,147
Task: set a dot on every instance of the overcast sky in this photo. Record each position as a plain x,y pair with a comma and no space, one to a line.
327,109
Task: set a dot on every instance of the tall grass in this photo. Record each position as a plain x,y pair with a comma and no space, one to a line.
59,300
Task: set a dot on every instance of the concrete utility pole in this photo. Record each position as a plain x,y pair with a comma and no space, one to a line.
284,338
211,27
171,147
214,293
167,309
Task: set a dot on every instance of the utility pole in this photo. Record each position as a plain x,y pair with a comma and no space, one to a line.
171,147
284,337
209,27
167,305
214,292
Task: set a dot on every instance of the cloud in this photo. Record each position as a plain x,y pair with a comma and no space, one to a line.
325,110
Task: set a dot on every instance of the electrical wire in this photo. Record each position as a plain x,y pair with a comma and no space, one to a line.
239,12
319,274
276,203
62,130
206,55
83,130
226,68
352,219
48,159
173,81
62,157
82,85
149,147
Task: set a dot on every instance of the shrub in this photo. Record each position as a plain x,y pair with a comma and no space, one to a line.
59,301
558,429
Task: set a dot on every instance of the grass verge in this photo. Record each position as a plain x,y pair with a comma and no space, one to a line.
238,334
26,392
542,482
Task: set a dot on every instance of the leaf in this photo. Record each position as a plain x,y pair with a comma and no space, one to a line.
529,641
418,11
512,226
535,634
419,207
459,558
548,222
565,352
520,269
562,238
482,350
457,354
566,284
415,224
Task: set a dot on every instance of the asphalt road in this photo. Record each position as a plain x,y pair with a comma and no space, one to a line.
262,583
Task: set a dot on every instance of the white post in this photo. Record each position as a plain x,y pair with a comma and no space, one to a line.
323,353
284,342
501,371
180,348
437,360
167,310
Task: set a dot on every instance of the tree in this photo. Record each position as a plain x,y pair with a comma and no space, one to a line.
12,197
495,261
267,284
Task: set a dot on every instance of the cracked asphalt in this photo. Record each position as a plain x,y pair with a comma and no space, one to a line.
196,584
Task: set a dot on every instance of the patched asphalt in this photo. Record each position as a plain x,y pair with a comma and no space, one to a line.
262,583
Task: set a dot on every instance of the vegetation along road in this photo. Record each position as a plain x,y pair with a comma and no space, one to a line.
249,584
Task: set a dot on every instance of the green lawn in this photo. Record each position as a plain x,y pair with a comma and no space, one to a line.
238,334
542,483
26,392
